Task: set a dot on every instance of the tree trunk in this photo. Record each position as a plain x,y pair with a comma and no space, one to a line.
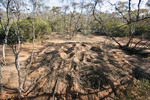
1,83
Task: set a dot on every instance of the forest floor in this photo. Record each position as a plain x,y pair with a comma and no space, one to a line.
84,67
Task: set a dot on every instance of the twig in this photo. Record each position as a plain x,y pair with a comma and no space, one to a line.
137,17
129,11
137,43
119,12
35,81
32,21
54,88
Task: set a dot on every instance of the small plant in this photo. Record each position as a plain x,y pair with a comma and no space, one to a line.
139,92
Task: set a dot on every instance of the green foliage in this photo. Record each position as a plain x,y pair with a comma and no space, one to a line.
12,36
139,92
25,30
143,28
41,27
57,25
118,29
96,27
1,34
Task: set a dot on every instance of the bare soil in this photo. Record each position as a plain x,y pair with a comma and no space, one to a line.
85,67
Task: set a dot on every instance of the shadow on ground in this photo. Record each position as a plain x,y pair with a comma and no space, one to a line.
75,70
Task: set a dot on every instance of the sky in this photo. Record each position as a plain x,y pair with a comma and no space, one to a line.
106,6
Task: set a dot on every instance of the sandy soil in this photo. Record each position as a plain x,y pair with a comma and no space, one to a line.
81,68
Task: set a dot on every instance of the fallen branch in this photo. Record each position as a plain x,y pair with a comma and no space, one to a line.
54,88
35,81
137,43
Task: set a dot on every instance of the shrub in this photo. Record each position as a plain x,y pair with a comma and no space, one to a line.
1,35
25,30
118,29
139,92
41,27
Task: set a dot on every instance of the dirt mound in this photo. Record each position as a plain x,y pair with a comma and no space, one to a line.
75,70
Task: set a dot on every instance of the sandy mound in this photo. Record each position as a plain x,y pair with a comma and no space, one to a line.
79,71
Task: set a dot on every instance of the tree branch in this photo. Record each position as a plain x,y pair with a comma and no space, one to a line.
120,12
107,32
137,17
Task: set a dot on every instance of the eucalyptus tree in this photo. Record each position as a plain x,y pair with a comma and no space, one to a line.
65,8
16,16
1,63
13,12
88,19
124,9
33,15
72,15
14,9
46,13
6,22
79,17
55,20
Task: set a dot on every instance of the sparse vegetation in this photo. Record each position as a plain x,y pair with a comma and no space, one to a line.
74,51
140,91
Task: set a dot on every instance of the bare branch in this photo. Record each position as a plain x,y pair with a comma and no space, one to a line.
137,17
54,88
120,12
34,82
138,43
107,32
79,18
33,35
129,11
133,21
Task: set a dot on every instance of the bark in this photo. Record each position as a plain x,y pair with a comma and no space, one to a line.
4,52
129,11
6,29
137,17
17,49
1,77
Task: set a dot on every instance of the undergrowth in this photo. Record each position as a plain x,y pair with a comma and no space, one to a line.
139,92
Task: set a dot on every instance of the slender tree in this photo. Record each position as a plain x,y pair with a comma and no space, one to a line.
6,25
33,13
130,20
